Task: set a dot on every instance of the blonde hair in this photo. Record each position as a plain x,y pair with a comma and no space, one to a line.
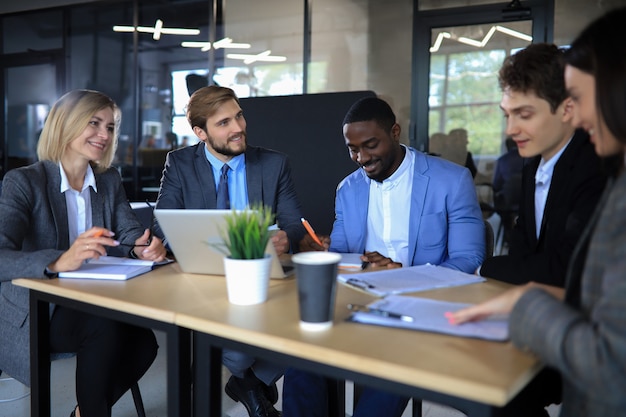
68,119
204,103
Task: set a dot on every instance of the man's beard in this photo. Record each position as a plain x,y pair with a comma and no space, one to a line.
224,149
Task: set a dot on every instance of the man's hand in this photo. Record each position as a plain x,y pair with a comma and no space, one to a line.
280,242
376,259
307,244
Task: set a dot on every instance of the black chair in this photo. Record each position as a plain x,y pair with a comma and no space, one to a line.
506,205
136,393
489,240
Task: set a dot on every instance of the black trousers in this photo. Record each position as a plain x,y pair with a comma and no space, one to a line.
110,356
544,390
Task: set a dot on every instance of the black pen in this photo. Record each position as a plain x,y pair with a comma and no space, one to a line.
359,283
151,224
380,312
364,264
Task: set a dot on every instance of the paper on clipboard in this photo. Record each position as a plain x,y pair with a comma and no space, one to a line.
428,315
409,279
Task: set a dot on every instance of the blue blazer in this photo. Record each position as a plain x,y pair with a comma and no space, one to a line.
188,183
446,226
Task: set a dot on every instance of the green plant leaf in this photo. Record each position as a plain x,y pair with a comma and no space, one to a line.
247,233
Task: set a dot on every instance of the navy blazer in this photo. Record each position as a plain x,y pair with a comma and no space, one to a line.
34,232
188,183
577,184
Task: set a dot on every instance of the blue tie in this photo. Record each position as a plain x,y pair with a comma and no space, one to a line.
223,199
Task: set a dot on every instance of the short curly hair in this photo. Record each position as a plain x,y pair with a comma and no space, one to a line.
536,69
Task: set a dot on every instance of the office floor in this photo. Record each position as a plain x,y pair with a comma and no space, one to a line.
153,390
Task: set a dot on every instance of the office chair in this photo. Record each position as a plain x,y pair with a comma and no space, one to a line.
489,240
136,393
10,399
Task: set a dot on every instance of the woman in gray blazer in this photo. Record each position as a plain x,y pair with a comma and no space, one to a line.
581,330
55,215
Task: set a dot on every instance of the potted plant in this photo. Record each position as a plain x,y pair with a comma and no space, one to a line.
246,264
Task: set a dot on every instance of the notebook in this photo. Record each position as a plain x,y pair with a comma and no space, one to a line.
110,267
191,235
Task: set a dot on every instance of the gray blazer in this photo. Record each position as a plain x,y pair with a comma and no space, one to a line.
587,344
188,183
34,232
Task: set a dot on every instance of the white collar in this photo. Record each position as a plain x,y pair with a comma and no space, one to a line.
90,179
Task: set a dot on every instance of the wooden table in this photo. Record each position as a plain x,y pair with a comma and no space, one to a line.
474,376
149,300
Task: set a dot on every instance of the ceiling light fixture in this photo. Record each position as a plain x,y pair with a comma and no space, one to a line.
157,30
263,56
483,42
222,43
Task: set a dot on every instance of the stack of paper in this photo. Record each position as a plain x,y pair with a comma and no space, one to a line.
428,315
351,261
110,267
409,279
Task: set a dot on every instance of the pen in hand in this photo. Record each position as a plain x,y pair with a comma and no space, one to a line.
311,232
364,264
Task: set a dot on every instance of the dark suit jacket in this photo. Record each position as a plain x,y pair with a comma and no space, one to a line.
34,232
577,184
188,183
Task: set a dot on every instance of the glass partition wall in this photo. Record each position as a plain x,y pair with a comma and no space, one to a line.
150,54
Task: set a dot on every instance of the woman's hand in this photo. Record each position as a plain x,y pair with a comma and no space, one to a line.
500,305
155,251
88,245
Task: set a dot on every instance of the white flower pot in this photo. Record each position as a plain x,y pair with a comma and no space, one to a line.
247,280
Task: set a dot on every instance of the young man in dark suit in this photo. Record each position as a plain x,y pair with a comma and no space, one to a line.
192,180
561,184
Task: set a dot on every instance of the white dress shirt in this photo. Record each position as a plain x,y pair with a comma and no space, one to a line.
543,179
388,213
78,203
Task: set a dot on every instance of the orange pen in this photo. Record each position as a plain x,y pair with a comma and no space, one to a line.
311,232
98,233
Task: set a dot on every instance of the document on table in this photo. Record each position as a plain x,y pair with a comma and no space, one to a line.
428,315
110,267
351,261
409,279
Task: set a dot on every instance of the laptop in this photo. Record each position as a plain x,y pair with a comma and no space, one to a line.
191,235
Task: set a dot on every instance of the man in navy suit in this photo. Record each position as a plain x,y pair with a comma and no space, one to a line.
402,208
191,180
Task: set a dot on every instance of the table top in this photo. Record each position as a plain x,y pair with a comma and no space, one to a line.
484,371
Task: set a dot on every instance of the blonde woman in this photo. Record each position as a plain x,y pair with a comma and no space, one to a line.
54,215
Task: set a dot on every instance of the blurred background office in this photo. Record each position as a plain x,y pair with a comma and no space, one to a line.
434,61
